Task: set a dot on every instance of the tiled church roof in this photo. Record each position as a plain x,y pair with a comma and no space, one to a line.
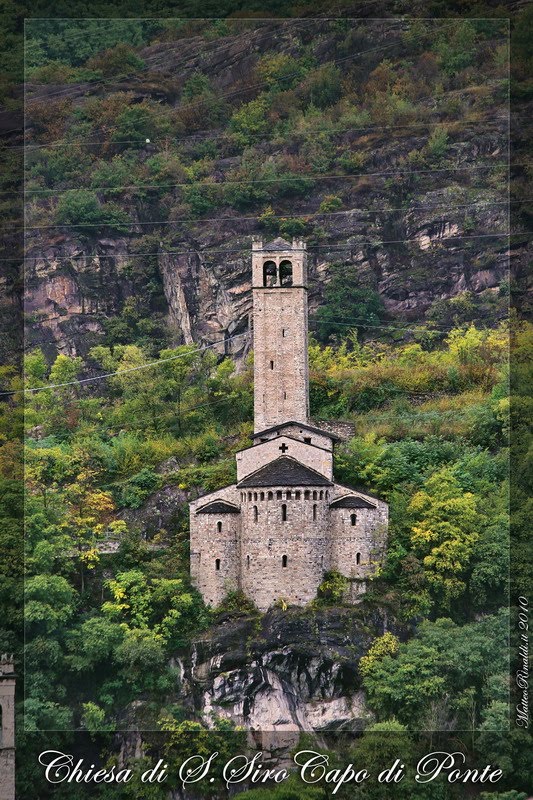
303,425
219,507
351,501
284,471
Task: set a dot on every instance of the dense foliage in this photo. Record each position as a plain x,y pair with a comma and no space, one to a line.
108,598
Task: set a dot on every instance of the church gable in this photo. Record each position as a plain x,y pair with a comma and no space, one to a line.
219,507
284,471
351,501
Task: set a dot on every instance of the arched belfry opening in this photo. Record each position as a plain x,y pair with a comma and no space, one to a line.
285,273
269,273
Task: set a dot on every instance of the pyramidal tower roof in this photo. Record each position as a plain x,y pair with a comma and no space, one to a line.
278,244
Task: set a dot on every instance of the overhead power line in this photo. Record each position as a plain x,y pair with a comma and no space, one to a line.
317,213
246,181
251,87
99,83
30,148
124,371
229,250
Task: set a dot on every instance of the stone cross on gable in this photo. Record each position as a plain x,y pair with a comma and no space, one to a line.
284,447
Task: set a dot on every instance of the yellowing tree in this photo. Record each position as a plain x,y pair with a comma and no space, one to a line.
444,533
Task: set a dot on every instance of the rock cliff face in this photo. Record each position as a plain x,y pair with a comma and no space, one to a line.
75,283
284,673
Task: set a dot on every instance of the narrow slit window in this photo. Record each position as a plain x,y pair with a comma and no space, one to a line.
219,527
314,511
284,512
217,564
283,332
353,519
256,514
271,365
247,562
358,558
284,561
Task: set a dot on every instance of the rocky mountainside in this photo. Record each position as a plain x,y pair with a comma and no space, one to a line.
282,674
412,213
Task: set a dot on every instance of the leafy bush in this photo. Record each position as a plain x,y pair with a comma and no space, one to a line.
347,301
250,121
292,227
120,59
323,86
236,602
437,144
332,590
281,71
202,198
81,207
135,491
456,49
331,202
350,161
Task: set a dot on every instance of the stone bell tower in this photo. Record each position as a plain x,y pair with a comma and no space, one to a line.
281,372
7,728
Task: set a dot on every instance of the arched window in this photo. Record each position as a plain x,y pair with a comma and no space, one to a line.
288,495
283,561
315,495
297,495
321,495
219,527
255,495
269,273
262,496
279,495
249,495
358,558
307,494
314,511
353,519
271,495
256,514
284,512
285,273
217,564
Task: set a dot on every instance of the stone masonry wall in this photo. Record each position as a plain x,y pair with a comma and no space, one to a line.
356,549
253,458
215,541
267,538
280,356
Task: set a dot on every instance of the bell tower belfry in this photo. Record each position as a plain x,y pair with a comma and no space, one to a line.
281,371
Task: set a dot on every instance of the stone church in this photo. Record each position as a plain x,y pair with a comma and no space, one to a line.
286,522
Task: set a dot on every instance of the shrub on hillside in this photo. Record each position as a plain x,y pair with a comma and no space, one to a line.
82,208
116,60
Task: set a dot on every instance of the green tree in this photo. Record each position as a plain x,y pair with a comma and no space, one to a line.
347,303
445,531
